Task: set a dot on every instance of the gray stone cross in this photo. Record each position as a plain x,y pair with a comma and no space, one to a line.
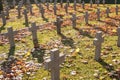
3,18
61,3
58,25
68,2
74,5
107,11
91,3
118,33
83,5
74,18
117,9
53,64
33,29
98,43
26,17
42,11
66,8
86,17
55,10
103,2
98,14
98,2
19,11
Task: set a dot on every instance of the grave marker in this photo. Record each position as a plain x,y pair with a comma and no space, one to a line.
14,3
103,2
33,29
74,18
66,8
91,3
68,2
10,36
97,2
86,17
26,17
83,5
36,2
118,33
47,5
74,5
61,3
107,11
55,10
53,64
98,14
98,43
19,11
117,9
7,12
42,11
3,17
58,25
79,1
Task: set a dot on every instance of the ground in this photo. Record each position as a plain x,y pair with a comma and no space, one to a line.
77,44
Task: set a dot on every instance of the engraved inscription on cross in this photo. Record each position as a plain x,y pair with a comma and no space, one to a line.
98,43
53,64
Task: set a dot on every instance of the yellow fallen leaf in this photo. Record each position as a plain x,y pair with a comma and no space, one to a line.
75,52
27,54
114,30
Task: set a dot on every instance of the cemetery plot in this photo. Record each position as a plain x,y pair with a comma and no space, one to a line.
88,38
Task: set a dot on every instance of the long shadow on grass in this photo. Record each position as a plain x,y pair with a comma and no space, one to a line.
84,33
38,53
109,23
67,41
109,68
2,28
11,51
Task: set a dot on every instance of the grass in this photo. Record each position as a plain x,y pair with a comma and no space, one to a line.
83,42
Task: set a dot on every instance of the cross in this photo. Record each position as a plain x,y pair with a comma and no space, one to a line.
79,1
58,24
61,3
68,2
19,12
10,34
3,17
47,5
91,3
98,43
36,2
107,11
66,8
53,63
7,11
98,14
74,5
118,33
117,9
42,12
97,2
26,17
86,17
103,2
83,5
55,10
74,20
115,1
14,3
33,29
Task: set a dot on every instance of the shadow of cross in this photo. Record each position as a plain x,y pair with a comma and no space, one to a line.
33,29
26,17
98,42
118,33
53,64
117,9
86,16
107,11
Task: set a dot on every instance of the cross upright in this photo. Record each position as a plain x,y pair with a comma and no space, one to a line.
107,11
74,20
58,25
3,17
91,3
53,63
42,11
98,14
103,2
86,17
117,9
10,34
83,5
14,3
68,2
66,8
98,43
26,17
19,12
55,10
118,33
61,3
33,29
47,4
74,5
98,2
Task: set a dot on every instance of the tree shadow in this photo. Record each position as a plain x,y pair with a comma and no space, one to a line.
11,51
109,68
114,18
67,41
108,23
84,33
39,54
